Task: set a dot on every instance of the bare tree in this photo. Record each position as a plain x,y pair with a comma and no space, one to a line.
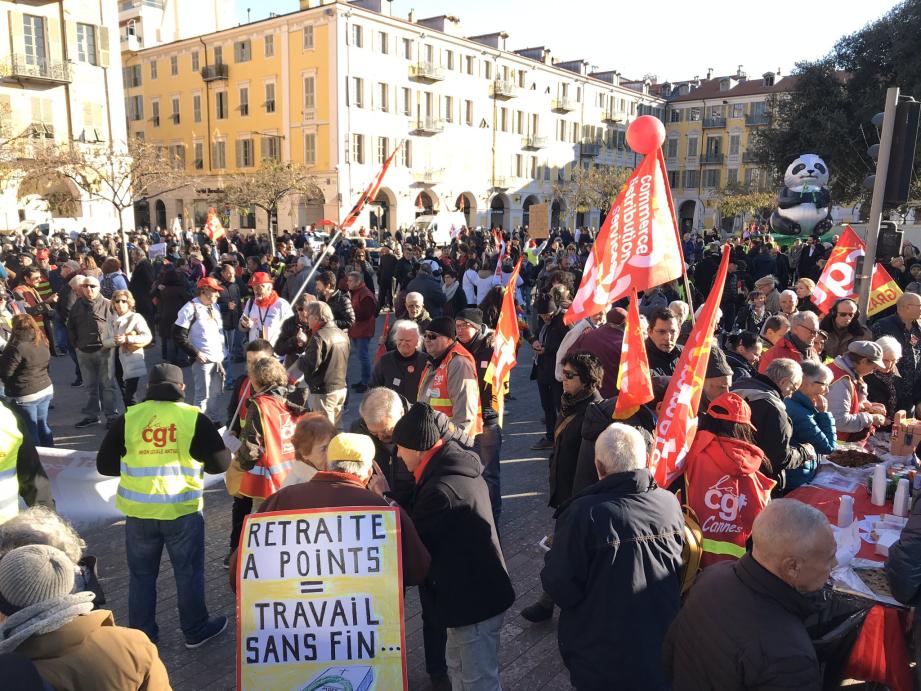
594,187
267,186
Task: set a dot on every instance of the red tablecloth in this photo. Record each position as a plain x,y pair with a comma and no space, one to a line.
880,653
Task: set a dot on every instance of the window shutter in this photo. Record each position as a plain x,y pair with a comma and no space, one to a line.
55,51
70,31
239,146
102,36
17,40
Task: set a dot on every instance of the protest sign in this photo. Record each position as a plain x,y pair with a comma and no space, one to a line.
320,600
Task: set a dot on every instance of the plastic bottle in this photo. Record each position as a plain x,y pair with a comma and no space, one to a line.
880,481
845,511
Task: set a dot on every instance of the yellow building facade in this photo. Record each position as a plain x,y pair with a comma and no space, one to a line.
710,124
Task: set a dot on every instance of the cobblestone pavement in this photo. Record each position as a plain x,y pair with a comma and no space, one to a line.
529,656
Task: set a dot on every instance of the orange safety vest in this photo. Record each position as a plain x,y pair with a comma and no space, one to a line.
438,395
839,373
266,477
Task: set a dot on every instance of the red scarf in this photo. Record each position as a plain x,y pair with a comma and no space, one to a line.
417,473
266,302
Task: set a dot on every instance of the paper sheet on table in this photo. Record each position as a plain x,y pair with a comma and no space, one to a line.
881,523
837,478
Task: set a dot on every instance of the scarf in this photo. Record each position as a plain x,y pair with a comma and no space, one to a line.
266,302
570,402
43,617
451,290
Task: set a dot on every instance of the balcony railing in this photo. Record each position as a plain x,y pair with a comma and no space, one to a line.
533,143
501,183
613,116
131,43
589,149
502,89
426,126
562,105
428,176
213,73
711,157
755,119
426,72
710,123
28,68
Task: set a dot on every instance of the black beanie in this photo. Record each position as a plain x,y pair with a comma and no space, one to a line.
717,366
443,326
417,430
471,315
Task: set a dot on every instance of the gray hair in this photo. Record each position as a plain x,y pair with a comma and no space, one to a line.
381,405
356,468
785,524
681,309
890,345
784,368
415,296
814,371
803,318
40,525
405,325
620,448
792,294
321,311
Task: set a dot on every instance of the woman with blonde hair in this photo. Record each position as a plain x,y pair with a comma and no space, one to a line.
128,331
24,372
90,268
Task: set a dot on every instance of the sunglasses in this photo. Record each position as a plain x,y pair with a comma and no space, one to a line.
430,336
121,301
568,374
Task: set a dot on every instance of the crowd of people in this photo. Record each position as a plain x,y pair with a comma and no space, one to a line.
784,384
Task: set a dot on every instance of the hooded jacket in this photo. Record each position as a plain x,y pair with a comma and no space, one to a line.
452,513
614,572
727,491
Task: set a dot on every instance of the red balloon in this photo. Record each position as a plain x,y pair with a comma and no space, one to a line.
645,134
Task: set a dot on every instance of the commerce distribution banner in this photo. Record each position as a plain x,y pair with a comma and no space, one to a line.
320,601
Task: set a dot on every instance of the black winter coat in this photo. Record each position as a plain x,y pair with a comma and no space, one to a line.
614,570
662,364
140,285
545,368
402,374
341,305
452,513
741,627
567,438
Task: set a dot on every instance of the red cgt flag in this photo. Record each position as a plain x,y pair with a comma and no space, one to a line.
504,354
838,277
213,226
370,192
637,246
634,384
678,418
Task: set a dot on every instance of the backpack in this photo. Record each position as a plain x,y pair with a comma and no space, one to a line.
107,285
692,550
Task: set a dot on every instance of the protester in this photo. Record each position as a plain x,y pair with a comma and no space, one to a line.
905,327
605,343
87,323
743,351
812,423
24,372
805,287
788,302
230,302
364,305
198,332
325,362
21,472
796,345
264,313
882,385
855,417
662,347
401,369
128,334
752,316
614,570
903,572
312,435
842,326
161,495
546,346
742,624
427,285
774,329
468,583
576,330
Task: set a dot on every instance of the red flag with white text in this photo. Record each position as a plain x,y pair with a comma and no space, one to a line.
370,192
677,424
838,276
637,246
634,383
504,354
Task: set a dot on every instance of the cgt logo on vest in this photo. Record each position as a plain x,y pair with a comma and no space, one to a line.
158,435
726,500
287,434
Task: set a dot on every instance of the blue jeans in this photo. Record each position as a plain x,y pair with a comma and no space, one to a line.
35,413
472,654
184,538
487,446
364,358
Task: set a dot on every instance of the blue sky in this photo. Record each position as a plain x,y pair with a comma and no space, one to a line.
678,40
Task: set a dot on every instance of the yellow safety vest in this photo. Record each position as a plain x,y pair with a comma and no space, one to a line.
10,441
159,477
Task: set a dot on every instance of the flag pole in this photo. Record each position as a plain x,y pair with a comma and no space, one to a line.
671,210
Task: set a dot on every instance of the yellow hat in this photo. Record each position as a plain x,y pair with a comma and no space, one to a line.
351,447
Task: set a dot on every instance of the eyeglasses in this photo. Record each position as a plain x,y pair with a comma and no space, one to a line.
120,301
814,332
430,336
569,374
845,314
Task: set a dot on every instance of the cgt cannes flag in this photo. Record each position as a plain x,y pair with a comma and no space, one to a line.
637,246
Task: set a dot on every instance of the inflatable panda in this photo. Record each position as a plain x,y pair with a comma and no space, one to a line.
804,205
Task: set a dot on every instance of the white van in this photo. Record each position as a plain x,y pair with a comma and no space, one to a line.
439,225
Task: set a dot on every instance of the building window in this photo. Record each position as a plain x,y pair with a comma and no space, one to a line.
449,59
196,107
407,154
693,116
153,69
383,149
407,101
132,76
449,109
244,101
408,48
738,110
219,154
174,65
519,166
673,147
195,64
471,64
503,119
357,35
308,38
310,93
177,156
245,157
269,45
691,179
732,177
270,98
487,69
86,44
734,141
134,105
174,115
673,178
155,113
692,148
712,178
383,42
218,55
468,113
674,115
33,35
220,105
243,51
198,149
357,92
358,148
310,149
271,147
519,122
383,100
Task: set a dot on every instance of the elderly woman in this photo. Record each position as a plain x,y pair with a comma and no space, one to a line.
24,372
842,326
804,288
881,384
855,416
128,331
812,423
311,440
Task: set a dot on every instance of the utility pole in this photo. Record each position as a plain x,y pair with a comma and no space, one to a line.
876,206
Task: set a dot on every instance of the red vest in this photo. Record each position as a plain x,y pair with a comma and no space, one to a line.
266,477
726,491
438,395
839,373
